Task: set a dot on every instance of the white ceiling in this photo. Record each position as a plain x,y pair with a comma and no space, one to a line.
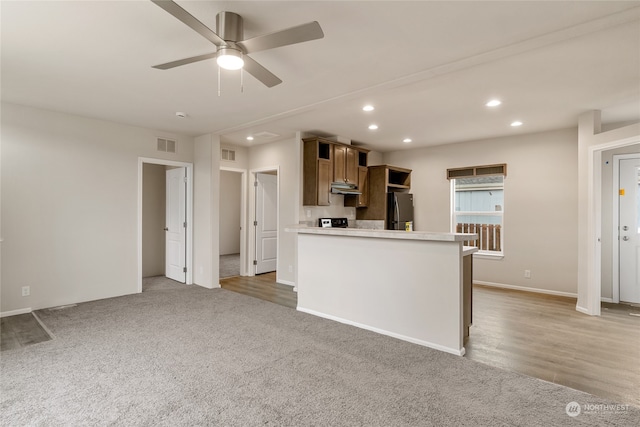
427,66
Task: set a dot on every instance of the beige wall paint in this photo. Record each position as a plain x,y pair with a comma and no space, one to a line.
375,158
230,199
607,216
153,219
540,230
69,208
285,155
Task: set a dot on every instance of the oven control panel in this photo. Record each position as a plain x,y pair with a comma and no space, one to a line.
333,222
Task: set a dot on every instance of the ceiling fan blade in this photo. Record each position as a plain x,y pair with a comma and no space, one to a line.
259,72
185,61
190,21
298,34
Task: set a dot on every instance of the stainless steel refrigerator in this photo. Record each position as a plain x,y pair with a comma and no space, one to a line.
399,211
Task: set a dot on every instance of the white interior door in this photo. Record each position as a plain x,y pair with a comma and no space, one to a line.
266,223
175,228
629,240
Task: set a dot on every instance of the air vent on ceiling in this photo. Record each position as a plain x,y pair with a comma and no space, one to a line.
166,145
229,155
265,135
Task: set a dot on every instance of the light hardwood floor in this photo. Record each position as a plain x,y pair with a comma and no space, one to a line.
534,334
262,286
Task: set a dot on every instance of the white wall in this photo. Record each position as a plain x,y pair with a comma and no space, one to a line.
69,205
375,158
206,258
540,212
230,199
242,157
284,154
153,219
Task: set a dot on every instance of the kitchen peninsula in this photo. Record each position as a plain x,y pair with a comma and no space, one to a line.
408,285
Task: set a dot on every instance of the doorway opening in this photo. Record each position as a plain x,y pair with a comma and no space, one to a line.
593,282
232,244
165,221
626,228
264,233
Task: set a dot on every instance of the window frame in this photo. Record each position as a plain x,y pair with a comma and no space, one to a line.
475,172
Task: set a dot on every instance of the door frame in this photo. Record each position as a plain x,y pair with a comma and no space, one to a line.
594,223
615,263
188,214
252,210
243,217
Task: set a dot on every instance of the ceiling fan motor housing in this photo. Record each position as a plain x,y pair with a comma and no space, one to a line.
229,26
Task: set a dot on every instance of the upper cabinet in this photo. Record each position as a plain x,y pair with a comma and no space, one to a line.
398,178
327,161
382,179
317,172
362,200
345,164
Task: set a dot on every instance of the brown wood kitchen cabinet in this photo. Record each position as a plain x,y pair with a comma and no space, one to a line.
345,164
381,180
326,161
317,171
362,200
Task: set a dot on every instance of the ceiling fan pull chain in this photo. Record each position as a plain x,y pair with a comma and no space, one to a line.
218,80
241,80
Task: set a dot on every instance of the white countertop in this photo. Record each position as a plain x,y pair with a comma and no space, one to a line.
388,234
468,250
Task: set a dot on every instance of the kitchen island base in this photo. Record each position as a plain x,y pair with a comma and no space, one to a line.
402,284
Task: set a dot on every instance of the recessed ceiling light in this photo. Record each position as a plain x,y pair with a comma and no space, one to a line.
516,123
249,138
373,127
406,140
493,103
368,108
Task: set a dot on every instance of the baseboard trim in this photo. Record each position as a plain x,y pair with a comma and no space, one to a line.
384,332
286,282
604,299
523,288
16,312
208,287
582,310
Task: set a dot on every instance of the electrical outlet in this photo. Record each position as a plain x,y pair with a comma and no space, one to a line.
291,269
26,291
527,274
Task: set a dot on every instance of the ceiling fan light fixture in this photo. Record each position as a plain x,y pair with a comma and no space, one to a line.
229,58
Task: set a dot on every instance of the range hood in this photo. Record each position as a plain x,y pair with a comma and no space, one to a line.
344,188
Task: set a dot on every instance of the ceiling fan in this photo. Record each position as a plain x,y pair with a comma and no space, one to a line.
232,51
